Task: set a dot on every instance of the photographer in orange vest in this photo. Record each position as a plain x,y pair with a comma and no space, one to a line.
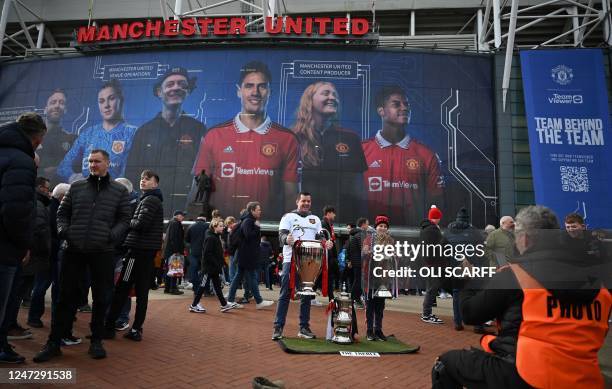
552,312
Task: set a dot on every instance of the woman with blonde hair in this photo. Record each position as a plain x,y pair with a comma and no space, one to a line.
332,159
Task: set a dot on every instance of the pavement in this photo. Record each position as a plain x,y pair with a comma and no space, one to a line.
227,350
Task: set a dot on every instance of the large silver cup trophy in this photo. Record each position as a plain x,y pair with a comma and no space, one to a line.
309,256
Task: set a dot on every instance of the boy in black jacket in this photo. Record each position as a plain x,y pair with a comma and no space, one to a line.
143,240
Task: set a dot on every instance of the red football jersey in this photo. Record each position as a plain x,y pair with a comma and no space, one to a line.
402,179
249,165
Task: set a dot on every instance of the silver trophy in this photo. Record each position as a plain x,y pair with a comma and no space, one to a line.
308,256
383,285
343,320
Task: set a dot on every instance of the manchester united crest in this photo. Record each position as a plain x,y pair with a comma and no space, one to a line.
269,149
312,221
342,148
118,146
412,164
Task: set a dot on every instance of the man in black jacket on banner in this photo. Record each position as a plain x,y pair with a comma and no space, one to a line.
92,217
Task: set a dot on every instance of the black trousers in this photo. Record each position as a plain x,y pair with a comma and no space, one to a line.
74,265
375,307
474,369
216,281
356,291
136,271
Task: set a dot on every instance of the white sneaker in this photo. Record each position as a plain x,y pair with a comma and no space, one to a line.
445,295
189,286
263,304
197,309
229,306
316,303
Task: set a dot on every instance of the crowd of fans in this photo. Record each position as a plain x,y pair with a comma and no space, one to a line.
76,238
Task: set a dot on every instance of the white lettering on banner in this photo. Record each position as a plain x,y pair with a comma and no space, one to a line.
230,170
565,99
400,185
579,131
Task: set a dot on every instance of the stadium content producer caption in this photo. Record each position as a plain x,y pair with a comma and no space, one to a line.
414,251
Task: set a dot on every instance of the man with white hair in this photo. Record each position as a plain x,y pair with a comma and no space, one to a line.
499,245
552,313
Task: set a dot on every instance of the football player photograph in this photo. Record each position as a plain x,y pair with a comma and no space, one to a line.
333,162
113,135
251,157
168,143
59,140
403,175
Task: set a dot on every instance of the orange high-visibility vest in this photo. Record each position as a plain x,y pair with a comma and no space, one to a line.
558,343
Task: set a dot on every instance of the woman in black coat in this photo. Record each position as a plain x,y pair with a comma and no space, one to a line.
212,265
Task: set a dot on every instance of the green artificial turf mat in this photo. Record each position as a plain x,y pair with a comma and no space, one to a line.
322,346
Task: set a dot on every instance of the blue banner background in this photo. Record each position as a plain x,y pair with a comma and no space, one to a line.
462,81
570,157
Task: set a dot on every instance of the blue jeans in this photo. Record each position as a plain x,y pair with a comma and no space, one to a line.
192,271
233,267
42,281
283,301
7,277
457,318
250,283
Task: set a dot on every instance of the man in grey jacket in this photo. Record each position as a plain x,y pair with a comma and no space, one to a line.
93,216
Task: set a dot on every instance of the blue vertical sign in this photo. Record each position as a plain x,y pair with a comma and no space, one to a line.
566,105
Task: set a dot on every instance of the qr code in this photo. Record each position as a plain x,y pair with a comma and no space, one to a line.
574,179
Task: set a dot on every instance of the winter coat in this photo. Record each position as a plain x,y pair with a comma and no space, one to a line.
502,299
17,194
94,215
195,236
41,242
147,224
175,238
353,253
55,240
265,252
248,251
431,234
212,254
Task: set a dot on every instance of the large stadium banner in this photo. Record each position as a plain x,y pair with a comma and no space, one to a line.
365,131
566,104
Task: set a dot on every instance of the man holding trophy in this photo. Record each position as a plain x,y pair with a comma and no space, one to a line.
304,247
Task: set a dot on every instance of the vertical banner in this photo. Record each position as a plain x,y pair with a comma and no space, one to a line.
566,105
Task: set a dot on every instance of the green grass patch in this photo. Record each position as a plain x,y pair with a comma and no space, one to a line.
322,346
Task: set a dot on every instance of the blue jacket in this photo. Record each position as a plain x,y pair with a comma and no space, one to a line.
17,194
116,142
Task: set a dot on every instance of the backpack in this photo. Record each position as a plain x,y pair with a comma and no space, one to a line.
235,237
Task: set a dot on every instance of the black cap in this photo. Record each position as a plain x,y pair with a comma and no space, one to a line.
463,215
179,212
172,71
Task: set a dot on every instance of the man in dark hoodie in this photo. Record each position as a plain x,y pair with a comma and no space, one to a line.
459,234
18,140
431,235
248,255
143,240
552,313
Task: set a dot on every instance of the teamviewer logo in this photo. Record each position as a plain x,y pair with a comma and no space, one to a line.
375,184
228,169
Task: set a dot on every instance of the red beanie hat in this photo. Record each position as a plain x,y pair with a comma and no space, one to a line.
434,213
381,219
